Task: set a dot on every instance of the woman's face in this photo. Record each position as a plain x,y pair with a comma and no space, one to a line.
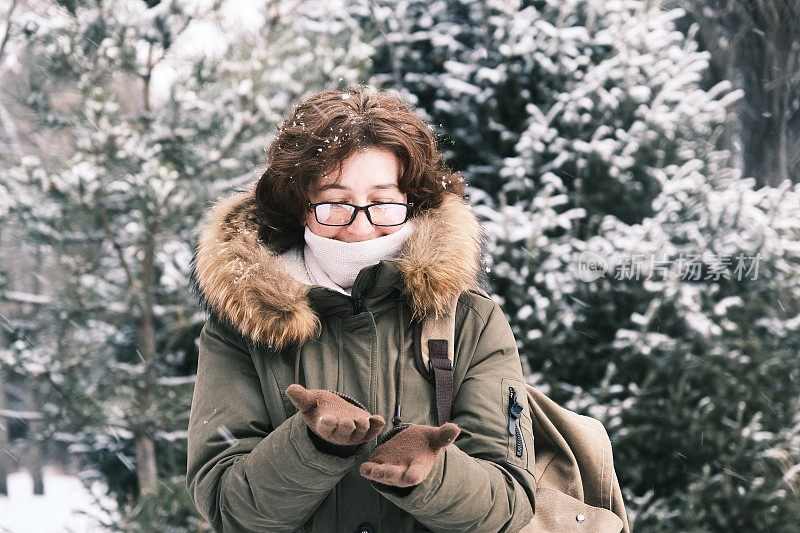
368,176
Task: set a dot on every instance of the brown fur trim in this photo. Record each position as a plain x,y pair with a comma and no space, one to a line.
244,283
442,258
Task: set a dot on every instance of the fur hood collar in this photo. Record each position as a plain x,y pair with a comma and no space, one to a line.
244,284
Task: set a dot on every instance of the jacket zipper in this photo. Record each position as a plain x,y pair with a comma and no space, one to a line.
514,412
358,303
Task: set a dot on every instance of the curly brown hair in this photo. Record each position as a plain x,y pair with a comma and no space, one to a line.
322,131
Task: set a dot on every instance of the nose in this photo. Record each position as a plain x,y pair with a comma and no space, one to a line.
361,227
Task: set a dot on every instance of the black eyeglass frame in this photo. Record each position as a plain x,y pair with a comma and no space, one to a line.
356,208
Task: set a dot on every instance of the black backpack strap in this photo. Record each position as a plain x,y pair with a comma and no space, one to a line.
442,369
437,344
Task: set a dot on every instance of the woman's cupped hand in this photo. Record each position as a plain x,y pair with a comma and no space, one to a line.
335,417
407,458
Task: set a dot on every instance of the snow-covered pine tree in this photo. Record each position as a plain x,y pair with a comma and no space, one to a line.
163,108
6,463
582,128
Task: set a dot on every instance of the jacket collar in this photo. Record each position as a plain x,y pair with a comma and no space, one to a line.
242,282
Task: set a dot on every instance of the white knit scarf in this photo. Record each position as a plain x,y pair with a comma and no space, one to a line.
335,264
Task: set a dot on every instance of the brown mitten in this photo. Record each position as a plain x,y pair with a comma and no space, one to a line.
408,453
335,417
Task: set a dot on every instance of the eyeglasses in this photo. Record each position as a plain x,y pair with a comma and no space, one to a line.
343,213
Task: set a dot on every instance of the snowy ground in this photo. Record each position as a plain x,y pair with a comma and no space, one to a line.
57,511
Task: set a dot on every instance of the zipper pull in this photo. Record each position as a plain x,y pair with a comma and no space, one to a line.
514,411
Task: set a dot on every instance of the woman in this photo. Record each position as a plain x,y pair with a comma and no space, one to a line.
314,282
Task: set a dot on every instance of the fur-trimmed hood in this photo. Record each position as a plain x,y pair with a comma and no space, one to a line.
245,284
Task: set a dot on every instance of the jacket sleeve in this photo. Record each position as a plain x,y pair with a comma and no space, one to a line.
483,481
242,474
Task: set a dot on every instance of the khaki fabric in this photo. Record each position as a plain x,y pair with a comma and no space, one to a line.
253,468
576,485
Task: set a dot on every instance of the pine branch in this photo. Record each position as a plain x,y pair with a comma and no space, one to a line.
7,34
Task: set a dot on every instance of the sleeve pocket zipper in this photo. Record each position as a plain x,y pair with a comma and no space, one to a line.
514,412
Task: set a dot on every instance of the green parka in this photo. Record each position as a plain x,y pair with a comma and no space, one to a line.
251,464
